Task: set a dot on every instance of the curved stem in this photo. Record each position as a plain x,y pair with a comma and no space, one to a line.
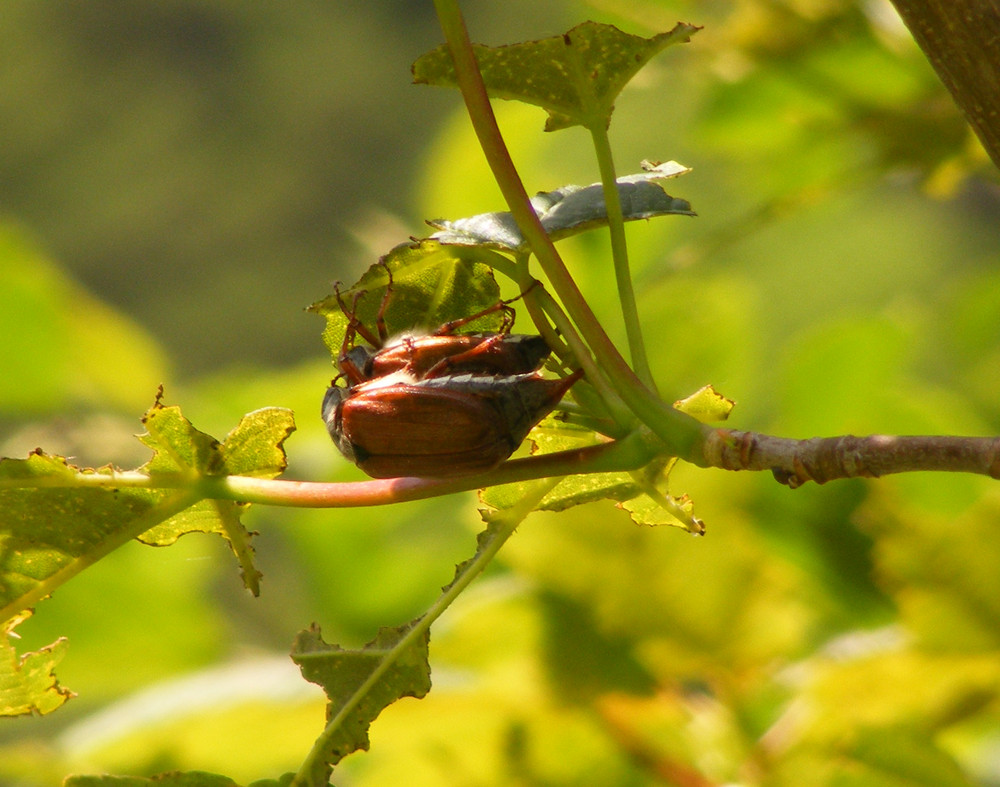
681,434
502,527
628,453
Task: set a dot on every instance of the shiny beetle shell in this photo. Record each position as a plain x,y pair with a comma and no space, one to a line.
438,427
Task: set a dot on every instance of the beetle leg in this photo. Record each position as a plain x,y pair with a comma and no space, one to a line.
441,367
503,306
354,325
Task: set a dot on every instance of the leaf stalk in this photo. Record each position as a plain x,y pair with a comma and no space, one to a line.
681,434
619,254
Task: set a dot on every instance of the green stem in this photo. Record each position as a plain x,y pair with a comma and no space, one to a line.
619,255
501,528
682,435
595,374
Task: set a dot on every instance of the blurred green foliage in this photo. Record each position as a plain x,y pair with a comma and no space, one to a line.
841,276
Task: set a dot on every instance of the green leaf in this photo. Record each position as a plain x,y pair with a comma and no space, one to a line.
174,779
55,521
360,684
253,448
431,284
570,210
656,506
49,526
706,405
28,683
282,781
657,510
177,446
575,77
553,435
642,493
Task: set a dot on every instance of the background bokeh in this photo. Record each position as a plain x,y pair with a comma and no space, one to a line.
179,179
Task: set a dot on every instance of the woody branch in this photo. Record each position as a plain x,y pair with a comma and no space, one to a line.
822,459
961,39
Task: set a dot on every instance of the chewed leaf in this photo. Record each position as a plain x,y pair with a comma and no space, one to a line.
570,210
664,510
706,405
548,437
431,284
253,448
177,446
359,684
28,684
655,506
55,521
575,77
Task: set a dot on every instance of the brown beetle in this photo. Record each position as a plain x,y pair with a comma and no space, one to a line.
438,427
438,355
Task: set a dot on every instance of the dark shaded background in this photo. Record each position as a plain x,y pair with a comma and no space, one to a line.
205,165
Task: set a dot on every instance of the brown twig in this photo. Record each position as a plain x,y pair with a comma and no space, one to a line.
823,459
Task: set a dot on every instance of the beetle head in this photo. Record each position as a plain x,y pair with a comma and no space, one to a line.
333,403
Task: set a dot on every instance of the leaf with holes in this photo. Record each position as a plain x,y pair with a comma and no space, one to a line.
575,77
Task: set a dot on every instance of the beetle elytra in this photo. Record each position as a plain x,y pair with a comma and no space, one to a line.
441,426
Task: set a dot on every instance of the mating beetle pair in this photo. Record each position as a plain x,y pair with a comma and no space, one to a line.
437,405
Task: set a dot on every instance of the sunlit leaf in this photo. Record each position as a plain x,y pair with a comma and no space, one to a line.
47,524
53,524
664,510
656,506
575,77
253,448
553,435
28,684
359,684
707,405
